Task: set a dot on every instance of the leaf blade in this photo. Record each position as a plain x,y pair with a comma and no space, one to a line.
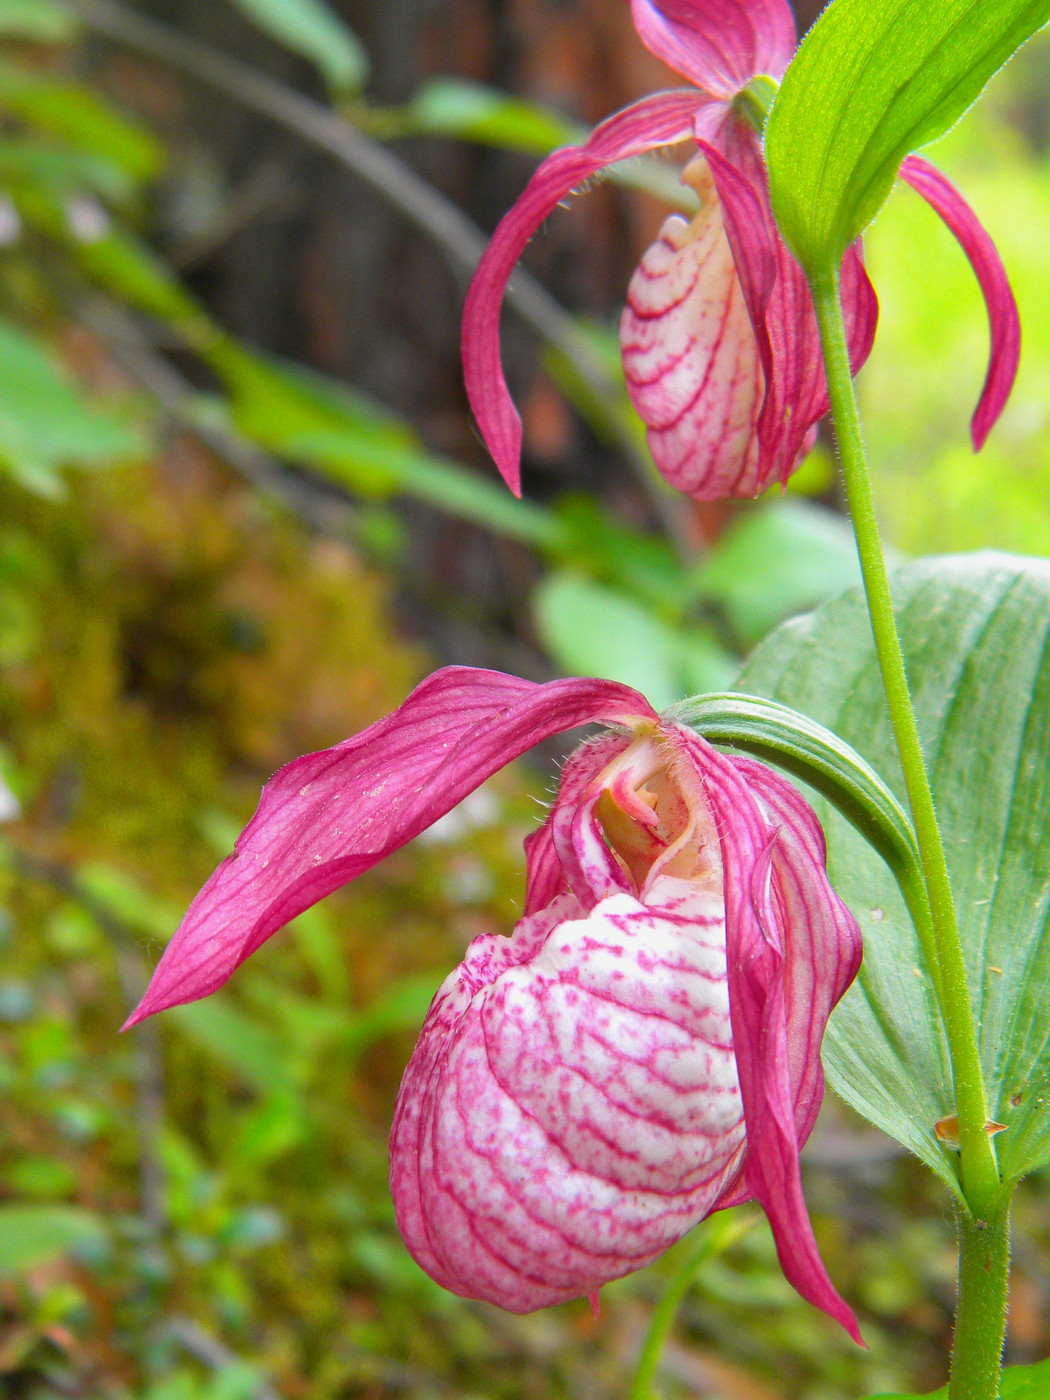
869,85
311,29
975,631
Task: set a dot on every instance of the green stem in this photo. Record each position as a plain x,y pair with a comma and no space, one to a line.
715,1238
978,1171
980,1320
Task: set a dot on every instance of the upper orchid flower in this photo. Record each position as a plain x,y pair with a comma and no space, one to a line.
643,1049
719,340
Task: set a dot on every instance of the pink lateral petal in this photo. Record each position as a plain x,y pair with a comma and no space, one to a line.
823,943
718,44
659,120
690,356
781,307
1004,322
327,817
757,939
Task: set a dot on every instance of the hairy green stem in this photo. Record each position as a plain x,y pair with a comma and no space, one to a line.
978,1170
980,1320
984,1218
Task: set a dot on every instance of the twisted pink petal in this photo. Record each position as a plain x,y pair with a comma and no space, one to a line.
769,896
823,952
781,308
327,817
718,44
1004,322
656,121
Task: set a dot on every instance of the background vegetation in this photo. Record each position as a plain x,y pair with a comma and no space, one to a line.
242,510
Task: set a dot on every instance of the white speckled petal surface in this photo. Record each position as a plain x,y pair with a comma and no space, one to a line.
690,355
572,1106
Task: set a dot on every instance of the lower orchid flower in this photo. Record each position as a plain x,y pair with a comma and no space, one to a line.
645,1047
719,340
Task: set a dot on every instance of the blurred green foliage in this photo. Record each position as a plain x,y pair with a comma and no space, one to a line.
922,381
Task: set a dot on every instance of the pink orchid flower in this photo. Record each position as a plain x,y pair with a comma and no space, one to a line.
719,339
645,1047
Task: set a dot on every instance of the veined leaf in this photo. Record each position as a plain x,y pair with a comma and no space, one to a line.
976,635
871,83
312,29
1018,1383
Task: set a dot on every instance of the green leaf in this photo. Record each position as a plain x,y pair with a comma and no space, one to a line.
976,635
474,112
592,630
80,118
34,1235
353,441
238,1042
312,29
779,559
642,564
469,111
61,171
1018,1383
870,83
401,1006
45,423
776,734
36,19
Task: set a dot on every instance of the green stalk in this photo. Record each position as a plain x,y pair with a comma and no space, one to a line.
980,1175
980,1319
716,1237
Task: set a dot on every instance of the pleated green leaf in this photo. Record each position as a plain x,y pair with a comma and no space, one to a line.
1019,1383
976,634
871,83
